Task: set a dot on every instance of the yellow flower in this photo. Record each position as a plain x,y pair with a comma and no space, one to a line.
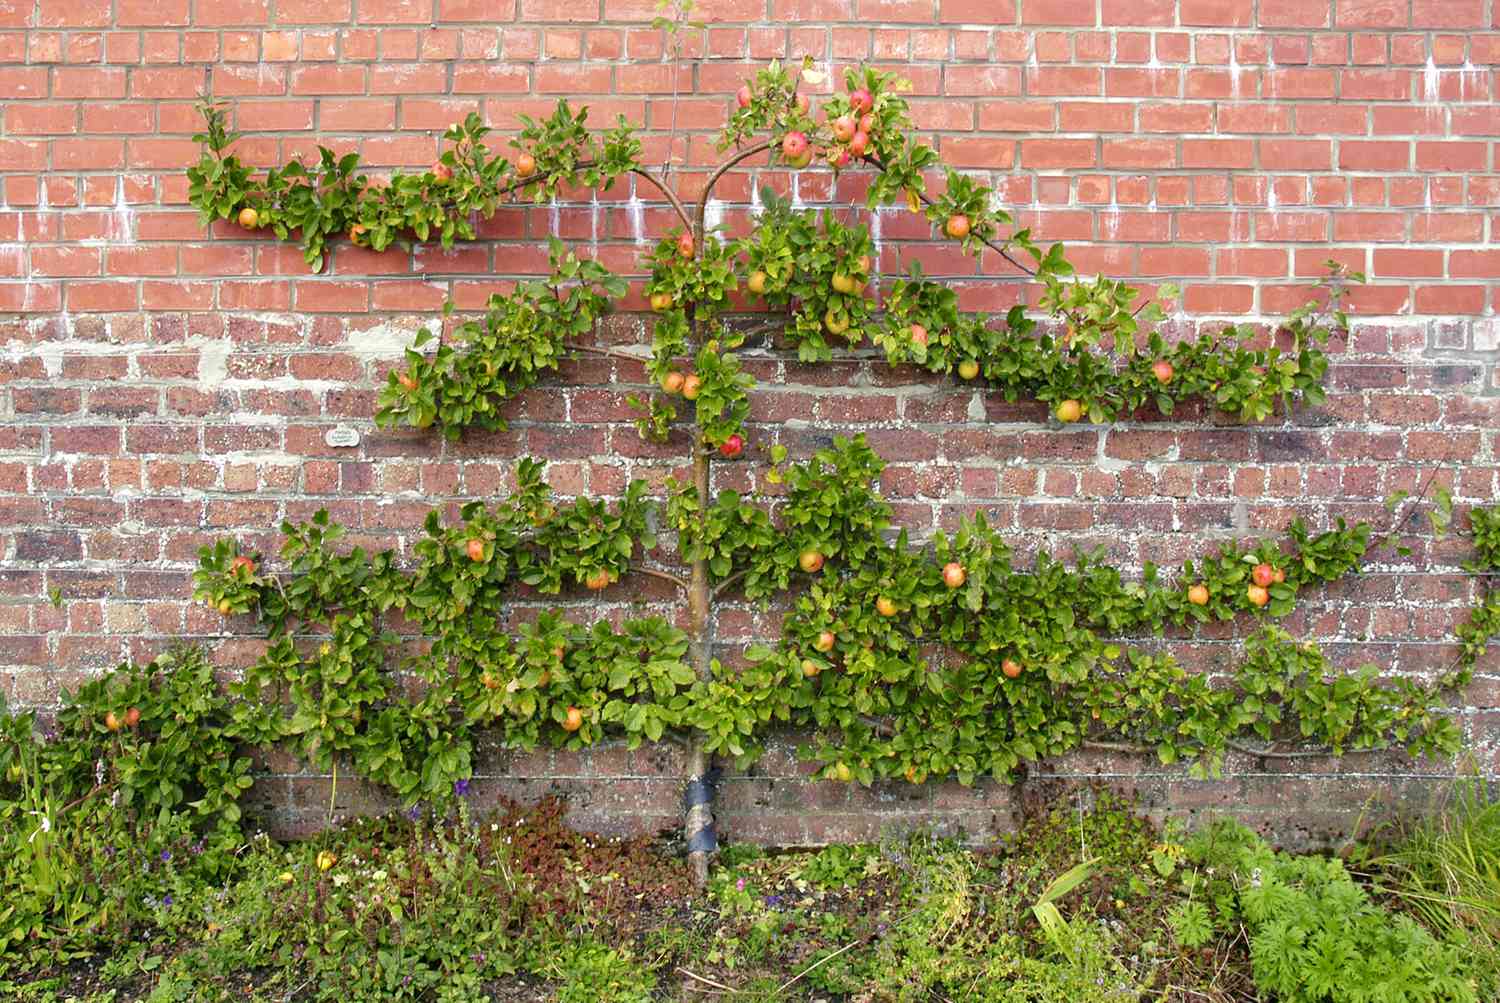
285,877
326,859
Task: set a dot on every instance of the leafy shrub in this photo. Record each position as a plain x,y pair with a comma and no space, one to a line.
1315,936
131,803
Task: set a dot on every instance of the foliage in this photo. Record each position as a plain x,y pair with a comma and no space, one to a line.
1315,936
519,339
133,794
1444,868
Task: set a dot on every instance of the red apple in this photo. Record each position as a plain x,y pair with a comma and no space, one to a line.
732,446
810,561
867,122
476,550
672,382
1011,668
838,160
1163,371
525,165
803,104
859,143
441,172
132,717
794,145
685,244
1263,575
744,96
574,719
825,641
957,226
918,334
691,385
1257,595
954,574
843,128
860,100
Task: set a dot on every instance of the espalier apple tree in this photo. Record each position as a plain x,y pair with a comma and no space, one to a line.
938,658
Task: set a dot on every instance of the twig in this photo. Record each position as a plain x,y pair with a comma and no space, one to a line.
664,575
821,961
987,243
662,187
713,179
706,981
723,586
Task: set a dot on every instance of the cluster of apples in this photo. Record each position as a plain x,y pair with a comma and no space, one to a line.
690,385
852,131
1262,577
114,722
224,606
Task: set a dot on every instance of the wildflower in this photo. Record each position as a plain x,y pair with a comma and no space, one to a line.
285,877
166,855
461,788
740,885
414,812
166,900
326,860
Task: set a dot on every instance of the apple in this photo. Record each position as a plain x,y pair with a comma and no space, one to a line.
1263,575
111,720
843,128
810,561
732,447
691,385
859,143
1163,371
867,122
842,773
911,775
406,381
356,231
803,104
860,100
241,561
672,382
685,244
863,264
957,226
800,162
968,369
838,160
842,283
525,165
597,581
756,283
824,642
794,145
918,334
488,681
574,719
225,606
1011,668
744,96
954,574
810,668
837,323
1069,411
475,550
249,218
1279,576
132,717
885,607
442,173
661,301
1198,595
1257,595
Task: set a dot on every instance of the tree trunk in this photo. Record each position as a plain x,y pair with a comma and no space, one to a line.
698,813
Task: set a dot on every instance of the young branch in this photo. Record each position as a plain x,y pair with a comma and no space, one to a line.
666,190
666,576
719,172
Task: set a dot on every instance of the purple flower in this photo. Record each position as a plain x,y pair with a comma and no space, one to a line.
461,788
739,885
166,855
414,812
166,900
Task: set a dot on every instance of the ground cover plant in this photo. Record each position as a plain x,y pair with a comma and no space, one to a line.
1087,901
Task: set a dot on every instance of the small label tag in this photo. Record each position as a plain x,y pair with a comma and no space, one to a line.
342,436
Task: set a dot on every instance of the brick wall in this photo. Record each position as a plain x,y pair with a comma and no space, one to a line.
162,386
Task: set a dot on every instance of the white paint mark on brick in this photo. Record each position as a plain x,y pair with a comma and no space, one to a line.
213,363
383,341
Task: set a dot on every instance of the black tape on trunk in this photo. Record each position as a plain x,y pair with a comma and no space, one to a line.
697,798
